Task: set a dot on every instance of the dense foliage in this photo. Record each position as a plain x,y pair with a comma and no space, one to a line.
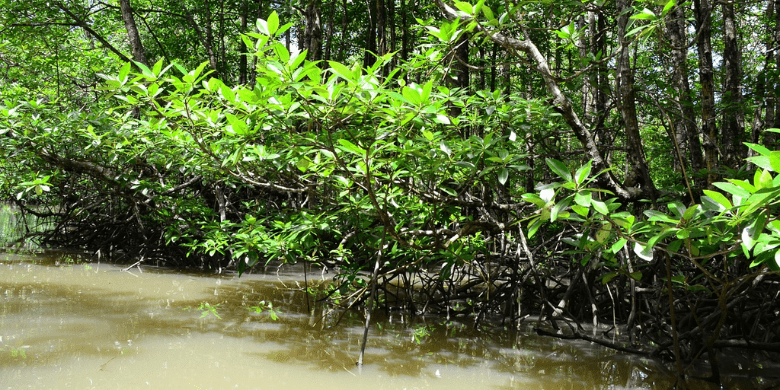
482,162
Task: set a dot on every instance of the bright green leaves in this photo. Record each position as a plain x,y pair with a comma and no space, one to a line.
270,27
559,168
752,232
348,74
348,146
38,185
694,232
653,20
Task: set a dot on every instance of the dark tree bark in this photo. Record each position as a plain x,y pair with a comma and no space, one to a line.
637,173
733,116
242,56
770,138
133,36
381,28
462,62
599,78
208,40
764,88
391,24
343,46
330,35
687,133
404,32
703,10
222,48
370,48
313,33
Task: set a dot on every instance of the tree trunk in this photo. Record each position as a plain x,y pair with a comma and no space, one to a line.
637,174
329,36
686,128
461,63
765,88
703,10
209,42
599,79
343,46
404,32
242,56
222,49
770,138
370,48
313,34
381,27
132,32
391,24
733,116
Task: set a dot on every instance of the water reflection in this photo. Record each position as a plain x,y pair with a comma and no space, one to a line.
66,324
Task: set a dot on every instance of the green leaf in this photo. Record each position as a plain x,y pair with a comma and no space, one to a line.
603,233
296,61
262,26
352,148
444,148
534,226
752,232
282,53
583,172
675,245
272,23
657,216
535,199
646,14
442,119
762,150
123,72
583,211
465,7
157,68
583,198
762,179
599,206
303,164
426,90
761,161
645,252
227,93
503,176
608,277
719,199
774,161
145,70
488,13
559,208
733,189
618,246
412,95
341,70
668,7
560,169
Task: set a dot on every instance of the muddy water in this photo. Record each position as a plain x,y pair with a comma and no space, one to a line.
71,325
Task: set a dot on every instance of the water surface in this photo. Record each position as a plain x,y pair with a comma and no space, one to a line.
67,324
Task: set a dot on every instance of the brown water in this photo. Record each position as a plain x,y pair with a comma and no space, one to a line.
71,325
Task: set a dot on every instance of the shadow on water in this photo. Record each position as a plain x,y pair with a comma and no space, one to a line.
96,322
